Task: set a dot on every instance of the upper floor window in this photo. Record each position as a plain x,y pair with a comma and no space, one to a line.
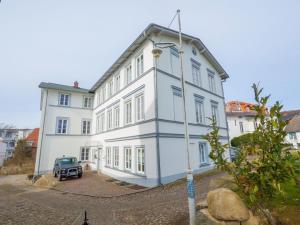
62,126
140,65
109,119
64,99
87,102
99,97
98,124
203,153
199,110
128,74
85,154
211,82
214,112
140,159
177,104
128,112
196,73
103,94
86,127
117,116
175,64
117,83
110,87
139,107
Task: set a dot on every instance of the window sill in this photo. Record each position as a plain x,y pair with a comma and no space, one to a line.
126,171
204,164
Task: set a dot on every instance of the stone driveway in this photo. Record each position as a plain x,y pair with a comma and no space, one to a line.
28,205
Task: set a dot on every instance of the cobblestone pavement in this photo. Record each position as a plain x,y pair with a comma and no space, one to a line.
20,204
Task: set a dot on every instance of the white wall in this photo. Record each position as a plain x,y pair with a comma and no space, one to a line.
294,142
2,152
234,125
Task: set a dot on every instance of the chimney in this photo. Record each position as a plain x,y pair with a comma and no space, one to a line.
76,84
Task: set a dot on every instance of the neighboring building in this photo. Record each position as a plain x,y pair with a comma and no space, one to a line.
240,118
10,137
129,125
293,127
32,140
2,151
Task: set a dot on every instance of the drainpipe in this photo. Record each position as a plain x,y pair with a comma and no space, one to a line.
227,129
42,134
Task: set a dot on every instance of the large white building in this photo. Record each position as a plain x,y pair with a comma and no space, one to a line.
129,125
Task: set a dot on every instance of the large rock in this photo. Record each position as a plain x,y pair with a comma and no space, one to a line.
207,219
202,205
224,204
46,181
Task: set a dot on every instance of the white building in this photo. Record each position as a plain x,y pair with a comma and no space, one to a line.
2,151
293,132
129,125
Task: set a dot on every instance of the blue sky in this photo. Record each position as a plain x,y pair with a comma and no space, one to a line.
65,40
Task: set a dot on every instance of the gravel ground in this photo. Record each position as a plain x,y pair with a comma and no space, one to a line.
21,204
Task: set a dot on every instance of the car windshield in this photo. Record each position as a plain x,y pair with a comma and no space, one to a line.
68,161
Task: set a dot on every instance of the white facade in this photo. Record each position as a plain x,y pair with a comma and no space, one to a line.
2,151
293,138
240,124
137,132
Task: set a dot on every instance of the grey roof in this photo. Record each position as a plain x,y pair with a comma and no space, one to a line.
287,115
154,28
248,114
62,87
294,124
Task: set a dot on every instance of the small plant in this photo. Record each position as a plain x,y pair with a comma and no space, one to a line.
263,165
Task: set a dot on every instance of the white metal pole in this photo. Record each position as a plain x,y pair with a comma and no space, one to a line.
190,180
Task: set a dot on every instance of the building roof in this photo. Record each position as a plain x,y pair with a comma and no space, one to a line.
248,114
33,137
294,124
239,106
154,28
63,87
288,115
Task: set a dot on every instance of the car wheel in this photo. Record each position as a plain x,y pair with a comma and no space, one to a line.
54,173
79,175
59,177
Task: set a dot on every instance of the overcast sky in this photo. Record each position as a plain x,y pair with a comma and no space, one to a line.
61,41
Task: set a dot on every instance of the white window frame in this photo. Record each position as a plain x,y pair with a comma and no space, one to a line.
84,154
110,88
139,65
203,153
108,161
102,122
139,107
97,123
87,102
128,74
211,82
241,124
116,157
196,73
127,116
62,130
86,126
109,119
128,158
215,111
103,94
140,161
64,102
199,107
117,82
116,116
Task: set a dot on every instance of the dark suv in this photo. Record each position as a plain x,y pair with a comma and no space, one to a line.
67,167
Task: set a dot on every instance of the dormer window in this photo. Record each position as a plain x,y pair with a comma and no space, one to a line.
64,99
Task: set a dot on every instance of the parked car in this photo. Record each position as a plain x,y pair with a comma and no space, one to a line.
67,167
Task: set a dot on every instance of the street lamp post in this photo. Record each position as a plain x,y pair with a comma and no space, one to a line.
190,180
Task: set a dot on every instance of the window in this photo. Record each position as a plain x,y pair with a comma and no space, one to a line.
97,124
241,127
140,160
99,97
128,74
86,127
211,82
87,102
199,110
196,73
64,99
117,83
109,119
203,153
102,122
110,88
293,136
177,104
116,156
128,159
117,116
103,94
62,126
128,112
84,154
214,112
139,107
175,64
108,156
139,65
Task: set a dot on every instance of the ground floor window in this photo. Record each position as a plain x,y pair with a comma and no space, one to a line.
140,159
108,156
128,159
203,152
116,156
84,153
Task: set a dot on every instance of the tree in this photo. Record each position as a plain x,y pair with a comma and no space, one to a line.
262,167
245,139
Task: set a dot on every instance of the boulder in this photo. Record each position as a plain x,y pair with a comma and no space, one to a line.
46,181
207,219
201,205
224,204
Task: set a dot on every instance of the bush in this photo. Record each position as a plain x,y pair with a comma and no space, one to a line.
245,139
